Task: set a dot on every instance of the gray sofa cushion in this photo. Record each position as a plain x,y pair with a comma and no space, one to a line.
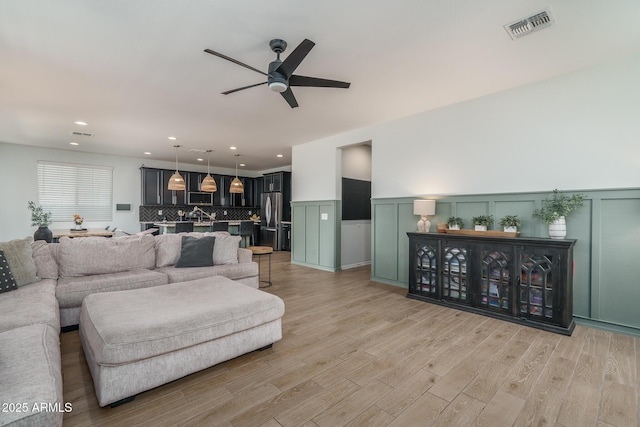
30,304
97,255
18,253
44,258
231,271
72,290
176,316
30,368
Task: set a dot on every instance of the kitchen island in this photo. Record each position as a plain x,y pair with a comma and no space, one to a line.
203,226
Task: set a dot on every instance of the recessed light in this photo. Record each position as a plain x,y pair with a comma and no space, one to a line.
80,123
173,138
73,143
233,148
279,155
147,153
200,160
241,165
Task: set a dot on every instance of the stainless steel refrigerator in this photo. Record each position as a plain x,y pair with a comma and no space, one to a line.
270,220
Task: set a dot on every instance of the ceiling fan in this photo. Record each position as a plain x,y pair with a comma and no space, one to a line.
280,75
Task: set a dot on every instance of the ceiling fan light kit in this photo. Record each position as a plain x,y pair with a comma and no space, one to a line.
278,86
280,75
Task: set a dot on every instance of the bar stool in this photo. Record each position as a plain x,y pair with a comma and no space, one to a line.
260,251
245,230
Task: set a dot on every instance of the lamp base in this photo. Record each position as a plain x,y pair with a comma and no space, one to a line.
424,225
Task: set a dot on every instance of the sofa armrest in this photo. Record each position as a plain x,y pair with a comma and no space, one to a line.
244,255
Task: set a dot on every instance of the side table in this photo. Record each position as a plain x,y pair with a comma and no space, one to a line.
260,251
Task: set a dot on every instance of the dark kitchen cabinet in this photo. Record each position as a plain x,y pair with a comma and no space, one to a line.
276,182
154,188
523,280
172,197
245,199
194,179
151,194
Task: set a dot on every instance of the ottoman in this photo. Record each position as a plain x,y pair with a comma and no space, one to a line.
135,340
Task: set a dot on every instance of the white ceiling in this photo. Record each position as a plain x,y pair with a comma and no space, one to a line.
135,70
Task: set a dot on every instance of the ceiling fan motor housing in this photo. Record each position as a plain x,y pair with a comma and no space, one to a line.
277,81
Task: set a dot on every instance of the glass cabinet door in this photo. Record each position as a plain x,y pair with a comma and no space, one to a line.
537,293
426,270
455,283
495,280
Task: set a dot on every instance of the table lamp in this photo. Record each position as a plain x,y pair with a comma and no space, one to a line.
424,208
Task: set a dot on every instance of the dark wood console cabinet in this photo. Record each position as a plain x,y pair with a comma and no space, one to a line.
523,280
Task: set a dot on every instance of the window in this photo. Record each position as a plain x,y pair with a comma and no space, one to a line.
66,189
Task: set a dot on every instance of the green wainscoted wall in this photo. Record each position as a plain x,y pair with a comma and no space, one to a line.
607,228
315,240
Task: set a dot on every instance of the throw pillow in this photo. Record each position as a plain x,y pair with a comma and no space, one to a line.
196,252
19,257
7,282
226,250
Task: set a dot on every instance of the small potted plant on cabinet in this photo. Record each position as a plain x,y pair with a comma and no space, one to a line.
510,223
40,219
455,223
555,209
482,222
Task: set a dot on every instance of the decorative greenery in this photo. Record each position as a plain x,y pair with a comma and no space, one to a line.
39,217
486,220
559,205
510,221
455,220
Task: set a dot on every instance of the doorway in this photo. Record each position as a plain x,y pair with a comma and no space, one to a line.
355,241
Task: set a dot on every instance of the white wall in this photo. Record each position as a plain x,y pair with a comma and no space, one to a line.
356,234
18,173
576,131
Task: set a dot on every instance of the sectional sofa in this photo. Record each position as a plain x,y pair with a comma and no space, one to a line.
52,281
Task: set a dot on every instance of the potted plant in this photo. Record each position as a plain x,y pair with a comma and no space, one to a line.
455,223
40,219
482,222
555,209
510,223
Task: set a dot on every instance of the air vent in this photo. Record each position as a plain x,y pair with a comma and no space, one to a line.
525,26
85,134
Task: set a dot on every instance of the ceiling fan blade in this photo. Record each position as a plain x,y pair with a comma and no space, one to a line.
235,61
243,88
294,59
288,96
296,80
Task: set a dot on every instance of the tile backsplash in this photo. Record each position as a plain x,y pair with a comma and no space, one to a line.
170,213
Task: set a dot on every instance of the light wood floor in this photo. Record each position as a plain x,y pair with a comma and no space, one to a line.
359,353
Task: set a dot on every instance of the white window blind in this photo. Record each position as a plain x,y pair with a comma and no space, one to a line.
66,189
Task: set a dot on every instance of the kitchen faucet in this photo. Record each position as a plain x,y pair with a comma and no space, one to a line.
200,211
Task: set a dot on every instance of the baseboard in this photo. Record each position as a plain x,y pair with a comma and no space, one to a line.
316,266
358,264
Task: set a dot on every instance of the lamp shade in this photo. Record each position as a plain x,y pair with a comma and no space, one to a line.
176,182
208,184
424,207
236,186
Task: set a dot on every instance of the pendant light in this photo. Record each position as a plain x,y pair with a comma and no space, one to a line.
236,185
208,184
176,182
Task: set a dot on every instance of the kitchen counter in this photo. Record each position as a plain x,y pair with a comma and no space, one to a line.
204,225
